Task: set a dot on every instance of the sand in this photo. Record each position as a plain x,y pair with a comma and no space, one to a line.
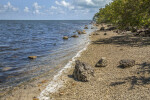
112,82
109,83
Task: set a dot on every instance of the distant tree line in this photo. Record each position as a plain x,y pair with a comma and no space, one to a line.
125,14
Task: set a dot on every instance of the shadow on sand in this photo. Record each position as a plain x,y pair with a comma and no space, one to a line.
127,40
142,77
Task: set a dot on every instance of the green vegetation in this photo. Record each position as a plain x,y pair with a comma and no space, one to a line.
125,14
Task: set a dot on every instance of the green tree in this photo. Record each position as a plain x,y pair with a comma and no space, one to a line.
125,13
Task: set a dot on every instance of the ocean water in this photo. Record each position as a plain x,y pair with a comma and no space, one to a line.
20,39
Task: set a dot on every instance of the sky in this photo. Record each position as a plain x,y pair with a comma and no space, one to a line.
50,9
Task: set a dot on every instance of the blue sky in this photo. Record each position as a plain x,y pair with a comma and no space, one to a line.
50,9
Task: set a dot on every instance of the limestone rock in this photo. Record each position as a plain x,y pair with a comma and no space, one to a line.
81,32
75,36
32,57
102,62
127,63
65,37
83,72
85,27
102,28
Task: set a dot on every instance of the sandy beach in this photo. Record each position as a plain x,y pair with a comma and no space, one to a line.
112,82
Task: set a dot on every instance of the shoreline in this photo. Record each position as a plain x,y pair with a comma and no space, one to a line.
59,79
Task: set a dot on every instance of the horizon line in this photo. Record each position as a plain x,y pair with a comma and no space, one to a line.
41,19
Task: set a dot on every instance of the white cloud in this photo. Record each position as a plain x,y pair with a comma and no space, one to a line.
88,6
57,3
36,11
82,6
26,9
36,5
53,7
65,4
36,8
55,10
91,3
8,8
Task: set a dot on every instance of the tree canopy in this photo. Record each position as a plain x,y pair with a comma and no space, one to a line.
125,13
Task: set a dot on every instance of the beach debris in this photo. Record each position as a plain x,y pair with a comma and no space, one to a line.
75,36
6,68
126,63
102,62
65,37
32,57
105,33
83,72
102,28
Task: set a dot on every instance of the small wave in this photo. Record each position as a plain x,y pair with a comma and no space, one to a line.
57,82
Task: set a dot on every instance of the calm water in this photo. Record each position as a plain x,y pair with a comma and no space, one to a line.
20,39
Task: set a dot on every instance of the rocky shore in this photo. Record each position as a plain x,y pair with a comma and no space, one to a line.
115,66
121,66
